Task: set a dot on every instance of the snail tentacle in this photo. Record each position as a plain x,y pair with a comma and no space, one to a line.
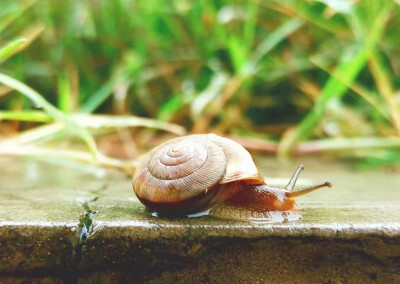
294,178
308,189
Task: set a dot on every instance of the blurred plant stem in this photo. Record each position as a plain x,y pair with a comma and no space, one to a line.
346,144
127,166
96,120
385,87
51,111
323,145
10,48
348,69
246,71
335,145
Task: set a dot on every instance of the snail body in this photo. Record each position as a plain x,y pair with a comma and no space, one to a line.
191,173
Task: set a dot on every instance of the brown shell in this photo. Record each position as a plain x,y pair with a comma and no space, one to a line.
186,167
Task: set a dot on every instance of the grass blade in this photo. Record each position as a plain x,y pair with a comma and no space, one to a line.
97,120
98,97
64,94
348,68
274,38
385,87
127,166
34,115
11,47
5,21
359,90
34,135
50,110
346,144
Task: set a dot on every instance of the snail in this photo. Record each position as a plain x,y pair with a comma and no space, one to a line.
197,172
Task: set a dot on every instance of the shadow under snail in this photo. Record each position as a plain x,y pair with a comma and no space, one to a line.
194,173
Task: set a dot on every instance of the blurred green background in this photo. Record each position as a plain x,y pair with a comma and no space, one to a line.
282,77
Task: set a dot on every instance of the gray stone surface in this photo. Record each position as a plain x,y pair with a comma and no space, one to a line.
349,233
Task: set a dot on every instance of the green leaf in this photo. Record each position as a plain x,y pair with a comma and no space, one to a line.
34,115
64,94
170,107
11,48
274,38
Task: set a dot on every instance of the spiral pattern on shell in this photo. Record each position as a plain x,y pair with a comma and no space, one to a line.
192,167
180,169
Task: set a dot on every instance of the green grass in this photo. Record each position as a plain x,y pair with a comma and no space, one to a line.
10,48
291,73
51,111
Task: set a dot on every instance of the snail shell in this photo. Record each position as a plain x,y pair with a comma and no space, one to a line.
193,172
183,174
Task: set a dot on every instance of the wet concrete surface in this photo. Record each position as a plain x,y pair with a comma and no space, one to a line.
349,233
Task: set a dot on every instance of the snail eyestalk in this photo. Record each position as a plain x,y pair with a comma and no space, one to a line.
294,178
308,189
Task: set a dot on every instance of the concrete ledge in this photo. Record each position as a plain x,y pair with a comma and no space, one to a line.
348,234
188,254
